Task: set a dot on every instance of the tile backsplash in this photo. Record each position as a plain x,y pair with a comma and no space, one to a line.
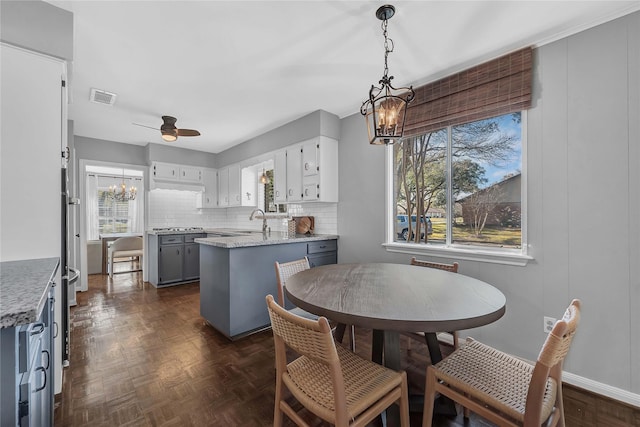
173,208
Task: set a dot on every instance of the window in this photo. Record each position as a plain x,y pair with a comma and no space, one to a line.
465,180
104,214
113,216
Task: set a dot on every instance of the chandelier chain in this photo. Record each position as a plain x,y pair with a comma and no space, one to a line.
388,46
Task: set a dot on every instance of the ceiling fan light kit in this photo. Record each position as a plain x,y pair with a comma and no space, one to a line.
386,106
169,136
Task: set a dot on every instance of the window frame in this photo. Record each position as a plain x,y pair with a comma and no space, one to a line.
517,257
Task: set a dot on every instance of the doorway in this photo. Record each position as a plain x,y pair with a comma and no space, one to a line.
103,212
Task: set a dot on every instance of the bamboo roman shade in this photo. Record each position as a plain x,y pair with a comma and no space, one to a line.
497,87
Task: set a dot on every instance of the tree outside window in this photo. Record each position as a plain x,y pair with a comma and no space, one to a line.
465,180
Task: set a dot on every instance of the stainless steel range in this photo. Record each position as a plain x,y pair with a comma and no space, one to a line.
181,229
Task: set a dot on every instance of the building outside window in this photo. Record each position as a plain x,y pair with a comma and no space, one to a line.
463,182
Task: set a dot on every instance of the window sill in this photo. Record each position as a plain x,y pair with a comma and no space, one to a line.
460,253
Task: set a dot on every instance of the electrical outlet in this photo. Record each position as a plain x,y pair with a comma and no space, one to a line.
549,322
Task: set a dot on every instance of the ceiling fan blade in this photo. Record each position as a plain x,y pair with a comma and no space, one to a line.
145,126
188,132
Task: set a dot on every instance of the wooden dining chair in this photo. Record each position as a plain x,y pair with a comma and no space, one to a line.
502,388
419,336
330,381
284,270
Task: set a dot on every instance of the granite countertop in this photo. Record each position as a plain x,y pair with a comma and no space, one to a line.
24,287
257,238
182,231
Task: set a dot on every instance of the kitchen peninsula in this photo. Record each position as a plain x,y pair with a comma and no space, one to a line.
237,272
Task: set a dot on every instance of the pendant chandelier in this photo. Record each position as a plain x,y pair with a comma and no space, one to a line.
120,193
385,109
264,178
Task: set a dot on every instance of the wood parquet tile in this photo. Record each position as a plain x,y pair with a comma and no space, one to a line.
142,356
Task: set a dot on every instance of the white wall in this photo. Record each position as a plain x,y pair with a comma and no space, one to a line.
583,208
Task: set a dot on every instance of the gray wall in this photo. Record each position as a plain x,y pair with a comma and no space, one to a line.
181,156
37,26
109,151
317,123
583,184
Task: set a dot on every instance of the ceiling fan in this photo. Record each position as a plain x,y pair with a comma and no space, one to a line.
169,130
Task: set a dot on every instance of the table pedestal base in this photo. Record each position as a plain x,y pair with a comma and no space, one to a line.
385,350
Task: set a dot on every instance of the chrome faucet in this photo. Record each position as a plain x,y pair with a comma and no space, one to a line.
264,219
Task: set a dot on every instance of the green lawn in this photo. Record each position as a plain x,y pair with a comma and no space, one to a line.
491,235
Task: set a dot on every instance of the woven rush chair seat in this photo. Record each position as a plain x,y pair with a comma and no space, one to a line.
494,377
502,388
330,381
364,382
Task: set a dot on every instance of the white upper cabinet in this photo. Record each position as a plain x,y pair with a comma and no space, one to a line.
229,186
311,172
310,158
320,170
294,173
223,187
234,185
165,171
190,174
209,199
169,172
249,186
280,176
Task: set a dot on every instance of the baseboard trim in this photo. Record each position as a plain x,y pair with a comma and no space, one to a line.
602,389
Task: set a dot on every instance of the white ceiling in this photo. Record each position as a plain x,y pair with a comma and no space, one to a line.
236,69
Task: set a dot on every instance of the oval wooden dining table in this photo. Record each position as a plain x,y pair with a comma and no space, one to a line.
394,298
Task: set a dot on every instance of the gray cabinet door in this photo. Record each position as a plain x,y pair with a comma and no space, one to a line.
191,261
170,263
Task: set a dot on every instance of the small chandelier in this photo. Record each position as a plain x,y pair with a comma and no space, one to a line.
120,193
385,109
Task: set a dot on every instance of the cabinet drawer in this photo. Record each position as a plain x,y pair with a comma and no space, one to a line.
168,240
323,258
322,246
188,238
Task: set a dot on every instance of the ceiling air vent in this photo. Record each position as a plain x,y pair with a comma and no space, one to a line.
102,97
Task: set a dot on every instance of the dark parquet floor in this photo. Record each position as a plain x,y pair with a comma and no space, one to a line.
142,356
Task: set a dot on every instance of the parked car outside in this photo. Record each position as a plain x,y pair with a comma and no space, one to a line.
402,226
